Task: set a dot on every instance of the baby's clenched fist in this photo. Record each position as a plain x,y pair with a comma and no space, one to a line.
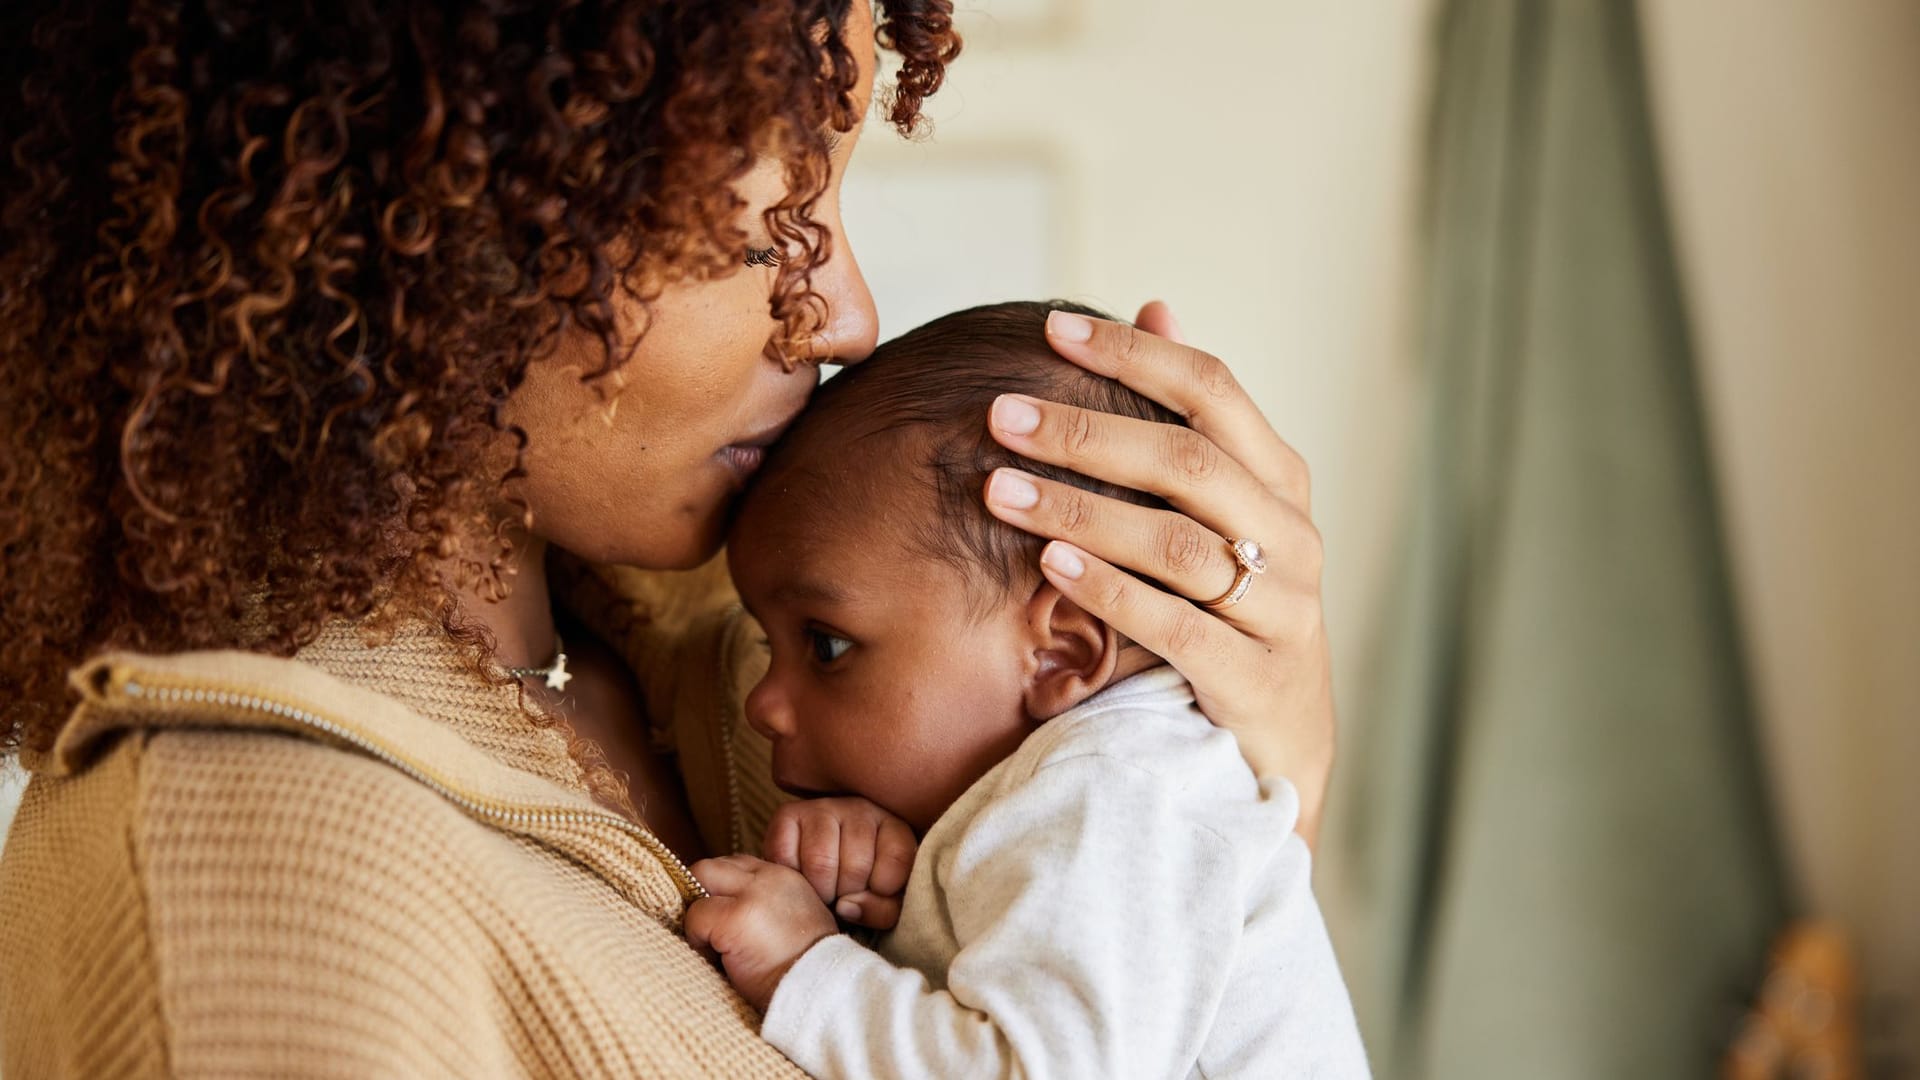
760,917
855,855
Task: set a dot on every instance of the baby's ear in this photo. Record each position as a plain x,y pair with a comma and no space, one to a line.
1074,654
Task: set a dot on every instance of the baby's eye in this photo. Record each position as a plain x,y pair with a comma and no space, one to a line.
826,647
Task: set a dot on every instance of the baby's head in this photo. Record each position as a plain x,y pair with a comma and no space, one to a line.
915,643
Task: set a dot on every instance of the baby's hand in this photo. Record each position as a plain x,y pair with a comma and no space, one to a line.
854,854
759,917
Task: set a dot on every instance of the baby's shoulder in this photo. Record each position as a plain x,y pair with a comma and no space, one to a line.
1147,724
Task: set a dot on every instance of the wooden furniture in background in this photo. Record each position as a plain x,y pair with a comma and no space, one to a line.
1806,1023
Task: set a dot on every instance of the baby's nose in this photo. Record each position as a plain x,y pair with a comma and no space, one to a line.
767,710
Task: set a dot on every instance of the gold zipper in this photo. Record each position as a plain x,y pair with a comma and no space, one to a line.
504,813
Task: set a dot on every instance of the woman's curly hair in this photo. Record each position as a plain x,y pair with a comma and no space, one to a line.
269,271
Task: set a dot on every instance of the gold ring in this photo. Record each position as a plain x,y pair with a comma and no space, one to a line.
1250,560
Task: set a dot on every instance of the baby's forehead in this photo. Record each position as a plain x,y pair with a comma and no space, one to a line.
846,496
838,488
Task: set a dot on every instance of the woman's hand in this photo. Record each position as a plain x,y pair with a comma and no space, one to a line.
1260,667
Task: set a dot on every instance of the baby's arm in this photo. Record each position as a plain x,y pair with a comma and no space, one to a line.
1097,930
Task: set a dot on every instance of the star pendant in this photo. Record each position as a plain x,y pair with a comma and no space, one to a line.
558,676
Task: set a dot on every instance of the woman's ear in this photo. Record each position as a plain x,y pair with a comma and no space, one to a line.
1074,654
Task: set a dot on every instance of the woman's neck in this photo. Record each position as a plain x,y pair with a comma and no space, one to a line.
522,621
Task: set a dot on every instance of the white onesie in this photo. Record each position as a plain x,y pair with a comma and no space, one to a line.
1118,898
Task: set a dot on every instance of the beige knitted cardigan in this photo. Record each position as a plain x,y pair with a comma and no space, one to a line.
361,862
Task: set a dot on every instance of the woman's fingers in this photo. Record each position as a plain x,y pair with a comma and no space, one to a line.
1178,464
1194,384
1173,549
1170,548
1156,318
1199,645
1225,667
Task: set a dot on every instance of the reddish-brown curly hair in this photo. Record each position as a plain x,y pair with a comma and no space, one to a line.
267,277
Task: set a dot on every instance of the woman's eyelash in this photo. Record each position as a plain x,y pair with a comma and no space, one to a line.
766,256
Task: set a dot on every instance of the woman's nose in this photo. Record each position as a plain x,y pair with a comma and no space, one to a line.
853,323
767,710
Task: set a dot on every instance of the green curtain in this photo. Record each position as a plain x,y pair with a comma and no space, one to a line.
1551,825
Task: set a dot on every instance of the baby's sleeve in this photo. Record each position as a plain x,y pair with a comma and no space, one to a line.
1098,924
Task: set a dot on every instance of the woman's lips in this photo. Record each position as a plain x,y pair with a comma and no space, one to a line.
745,457
743,460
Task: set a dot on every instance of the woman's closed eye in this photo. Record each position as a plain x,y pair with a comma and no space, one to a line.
825,647
766,256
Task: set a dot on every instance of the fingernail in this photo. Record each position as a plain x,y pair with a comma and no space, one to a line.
1012,490
1015,415
1066,326
1063,560
847,910
1174,329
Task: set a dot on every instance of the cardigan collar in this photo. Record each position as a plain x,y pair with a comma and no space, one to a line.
420,668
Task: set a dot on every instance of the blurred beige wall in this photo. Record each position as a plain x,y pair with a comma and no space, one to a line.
1252,164
1791,136
1255,164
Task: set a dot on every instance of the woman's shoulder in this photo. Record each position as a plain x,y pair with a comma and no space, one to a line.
275,895
243,793
218,824
172,854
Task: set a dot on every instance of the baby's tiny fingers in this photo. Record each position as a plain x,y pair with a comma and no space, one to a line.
724,876
782,844
858,836
704,919
892,858
869,910
820,857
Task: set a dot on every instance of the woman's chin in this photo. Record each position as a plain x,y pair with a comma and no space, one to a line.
691,545
681,539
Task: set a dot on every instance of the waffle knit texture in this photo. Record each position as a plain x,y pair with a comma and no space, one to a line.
358,862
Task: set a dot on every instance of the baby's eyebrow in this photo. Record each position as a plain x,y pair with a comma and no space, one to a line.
805,590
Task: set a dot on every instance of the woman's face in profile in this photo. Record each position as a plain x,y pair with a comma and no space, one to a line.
650,485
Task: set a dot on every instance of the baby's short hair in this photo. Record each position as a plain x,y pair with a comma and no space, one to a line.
934,385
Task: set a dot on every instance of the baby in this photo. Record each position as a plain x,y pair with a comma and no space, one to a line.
1102,888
